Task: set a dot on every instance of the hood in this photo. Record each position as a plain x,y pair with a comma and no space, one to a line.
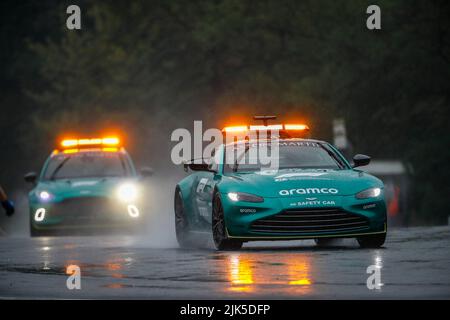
88,187
297,182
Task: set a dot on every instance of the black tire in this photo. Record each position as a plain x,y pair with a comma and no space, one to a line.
220,237
372,241
181,222
324,242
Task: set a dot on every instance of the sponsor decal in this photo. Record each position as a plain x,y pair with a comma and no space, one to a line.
202,184
203,212
267,172
84,183
289,144
313,203
247,210
303,191
293,176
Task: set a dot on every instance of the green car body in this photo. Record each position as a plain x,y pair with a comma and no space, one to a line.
80,202
288,204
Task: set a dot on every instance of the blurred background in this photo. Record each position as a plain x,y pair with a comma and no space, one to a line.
145,68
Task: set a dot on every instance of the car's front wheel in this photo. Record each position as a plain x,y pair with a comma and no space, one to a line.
221,240
372,241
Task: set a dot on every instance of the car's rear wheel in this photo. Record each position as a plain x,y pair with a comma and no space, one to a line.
220,237
372,241
181,222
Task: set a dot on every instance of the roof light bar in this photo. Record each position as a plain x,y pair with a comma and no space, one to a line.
235,129
73,143
296,127
269,127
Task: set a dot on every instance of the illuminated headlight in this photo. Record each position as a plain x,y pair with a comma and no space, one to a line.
246,197
127,193
45,195
369,193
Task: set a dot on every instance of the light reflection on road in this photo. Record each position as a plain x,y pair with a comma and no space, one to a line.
268,272
123,267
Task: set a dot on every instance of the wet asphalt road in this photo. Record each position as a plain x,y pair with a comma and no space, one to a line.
415,263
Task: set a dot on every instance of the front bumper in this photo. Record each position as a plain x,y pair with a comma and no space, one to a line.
83,213
305,218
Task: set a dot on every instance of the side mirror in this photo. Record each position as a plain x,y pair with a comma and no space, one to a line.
198,167
31,177
146,172
360,160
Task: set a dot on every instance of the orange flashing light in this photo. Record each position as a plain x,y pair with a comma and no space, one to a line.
296,127
235,129
111,141
268,127
68,151
73,143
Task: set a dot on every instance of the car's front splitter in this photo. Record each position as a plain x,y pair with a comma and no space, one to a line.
52,219
241,218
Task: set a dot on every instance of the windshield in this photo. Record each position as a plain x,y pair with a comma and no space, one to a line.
86,165
292,155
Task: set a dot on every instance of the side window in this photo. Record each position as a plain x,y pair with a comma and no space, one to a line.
214,163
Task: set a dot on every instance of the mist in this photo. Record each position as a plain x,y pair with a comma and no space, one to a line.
157,216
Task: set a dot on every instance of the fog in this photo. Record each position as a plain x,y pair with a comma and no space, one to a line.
157,215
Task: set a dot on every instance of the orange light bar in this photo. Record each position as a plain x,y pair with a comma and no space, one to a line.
235,129
109,141
269,127
69,143
296,127
89,142
69,151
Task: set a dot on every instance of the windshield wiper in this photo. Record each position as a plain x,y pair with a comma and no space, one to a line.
236,165
52,177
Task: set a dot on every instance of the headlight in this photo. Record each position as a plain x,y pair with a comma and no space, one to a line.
127,192
246,197
45,195
369,193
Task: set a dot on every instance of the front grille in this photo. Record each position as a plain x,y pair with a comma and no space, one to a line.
81,209
302,221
